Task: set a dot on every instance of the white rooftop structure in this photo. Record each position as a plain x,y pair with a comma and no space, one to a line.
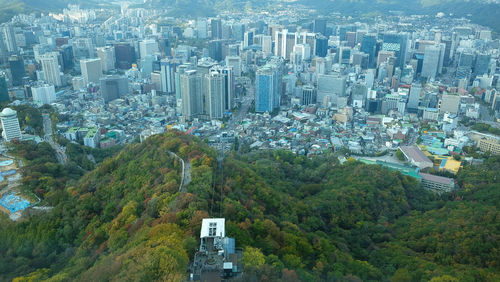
213,227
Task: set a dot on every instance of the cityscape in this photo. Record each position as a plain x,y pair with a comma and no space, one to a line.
206,102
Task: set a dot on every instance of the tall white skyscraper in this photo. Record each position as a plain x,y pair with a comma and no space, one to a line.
202,28
148,47
9,38
91,70
215,92
10,125
284,41
107,56
192,103
50,67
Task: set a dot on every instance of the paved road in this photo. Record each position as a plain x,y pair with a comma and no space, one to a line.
243,110
186,172
47,129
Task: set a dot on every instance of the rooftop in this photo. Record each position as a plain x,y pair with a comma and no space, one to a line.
414,153
437,179
213,227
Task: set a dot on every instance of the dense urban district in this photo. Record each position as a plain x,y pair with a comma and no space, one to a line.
268,143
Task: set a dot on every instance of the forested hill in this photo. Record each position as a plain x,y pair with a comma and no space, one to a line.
297,219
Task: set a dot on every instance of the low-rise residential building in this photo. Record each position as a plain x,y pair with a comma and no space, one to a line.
437,183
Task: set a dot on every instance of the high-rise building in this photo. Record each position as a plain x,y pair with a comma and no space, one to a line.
267,44
113,87
227,75
50,67
9,37
10,125
308,95
235,63
248,37
148,47
216,28
482,64
369,46
433,60
192,105
321,46
125,55
345,55
397,43
4,91
238,30
167,70
91,70
202,28
414,97
107,56
331,85
215,92
319,26
215,50
284,41
16,66
43,94
83,48
67,56
266,89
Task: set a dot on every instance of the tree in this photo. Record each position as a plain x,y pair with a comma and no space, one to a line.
253,257
400,155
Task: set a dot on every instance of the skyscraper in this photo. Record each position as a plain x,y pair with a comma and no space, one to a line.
50,67
10,125
321,46
66,52
125,55
215,50
91,70
202,28
482,64
227,75
216,28
397,43
319,26
191,94
4,91
414,97
248,38
107,56
433,60
308,95
215,92
266,89
9,37
369,46
148,47
167,70
16,65
284,43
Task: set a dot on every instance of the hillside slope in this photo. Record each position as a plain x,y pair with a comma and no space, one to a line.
304,219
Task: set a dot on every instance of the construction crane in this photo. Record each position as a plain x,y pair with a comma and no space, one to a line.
172,50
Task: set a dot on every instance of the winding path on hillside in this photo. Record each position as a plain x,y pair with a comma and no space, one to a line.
186,172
